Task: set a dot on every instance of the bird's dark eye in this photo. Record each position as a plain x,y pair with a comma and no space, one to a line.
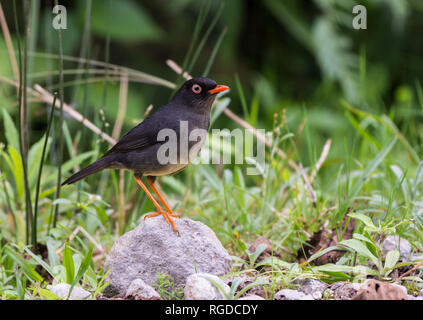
196,88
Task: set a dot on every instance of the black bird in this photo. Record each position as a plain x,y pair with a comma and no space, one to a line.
144,149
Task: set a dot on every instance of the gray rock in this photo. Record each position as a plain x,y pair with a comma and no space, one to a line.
62,290
345,290
315,288
198,287
139,290
391,243
153,247
289,294
420,293
252,297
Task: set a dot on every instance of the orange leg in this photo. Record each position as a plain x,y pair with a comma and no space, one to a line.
157,205
163,201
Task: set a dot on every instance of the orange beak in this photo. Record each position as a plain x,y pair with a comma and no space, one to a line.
219,88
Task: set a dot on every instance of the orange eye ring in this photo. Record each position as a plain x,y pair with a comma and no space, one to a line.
196,88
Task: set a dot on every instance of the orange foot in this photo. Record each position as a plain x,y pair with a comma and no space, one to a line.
167,216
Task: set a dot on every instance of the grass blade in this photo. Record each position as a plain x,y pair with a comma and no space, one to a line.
40,170
23,132
214,52
82,268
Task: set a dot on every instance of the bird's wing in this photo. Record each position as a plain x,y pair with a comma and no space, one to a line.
140,137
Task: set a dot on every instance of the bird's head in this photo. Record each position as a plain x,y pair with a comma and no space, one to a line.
199,92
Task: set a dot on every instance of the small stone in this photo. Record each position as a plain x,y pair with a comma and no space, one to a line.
62,290
139,290
252,297
313,287
153,247
198,287
420,293
391,243
345,290
289,294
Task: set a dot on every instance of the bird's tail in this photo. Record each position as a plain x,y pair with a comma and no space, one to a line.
94,167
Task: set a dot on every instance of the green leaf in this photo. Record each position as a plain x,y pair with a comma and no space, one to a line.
82,268
235,284
391,259
34,158
419,218
62,201
240,182
333,268
52,246
259,282
39,261
222,290
357,270
413,278
17,170
101,213
25,265
370,244
401,179
363,218
393,128
274,262
324,251
359,236
47,294
259,250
